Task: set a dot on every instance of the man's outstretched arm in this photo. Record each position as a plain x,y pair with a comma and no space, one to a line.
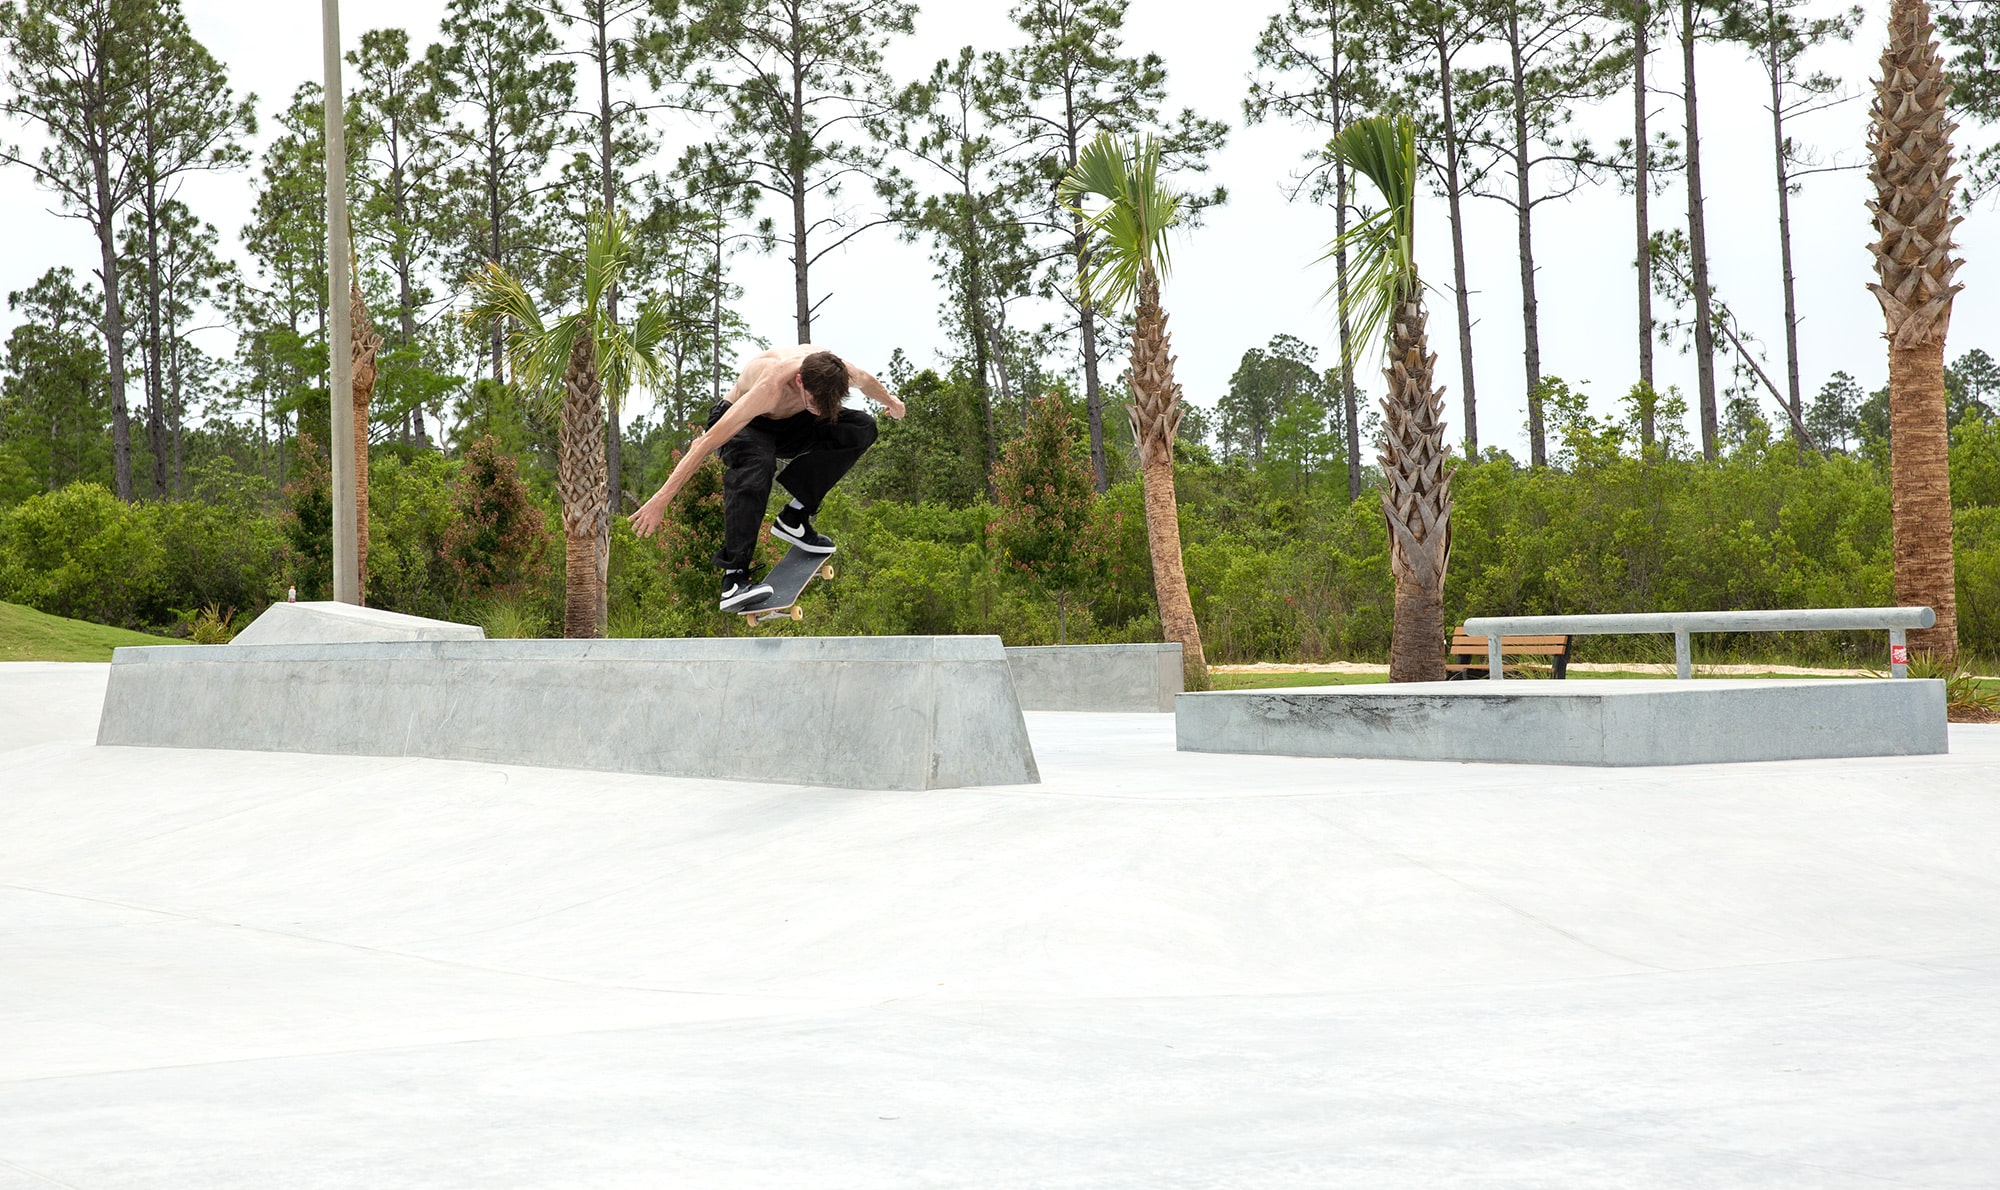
653,513
874,391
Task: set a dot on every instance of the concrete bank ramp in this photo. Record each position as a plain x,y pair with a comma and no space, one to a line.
857,712
326,623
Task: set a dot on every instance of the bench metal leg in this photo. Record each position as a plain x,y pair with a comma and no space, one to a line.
1899,654
1683,655
1495,668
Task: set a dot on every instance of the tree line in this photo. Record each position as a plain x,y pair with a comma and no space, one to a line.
497,141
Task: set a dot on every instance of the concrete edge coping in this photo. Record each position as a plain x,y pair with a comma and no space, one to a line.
774,650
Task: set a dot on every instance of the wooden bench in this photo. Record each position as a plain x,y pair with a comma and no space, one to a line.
1467,657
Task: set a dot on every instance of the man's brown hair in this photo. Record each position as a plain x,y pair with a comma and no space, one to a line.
824,377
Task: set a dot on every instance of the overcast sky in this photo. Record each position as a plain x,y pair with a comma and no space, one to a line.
1247,274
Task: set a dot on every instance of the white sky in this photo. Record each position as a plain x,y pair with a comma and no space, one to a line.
1247,274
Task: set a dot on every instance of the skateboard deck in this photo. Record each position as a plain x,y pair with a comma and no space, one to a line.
788,579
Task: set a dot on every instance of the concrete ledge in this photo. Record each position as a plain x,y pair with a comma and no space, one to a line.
326,623
860,713
1574,722
1097,677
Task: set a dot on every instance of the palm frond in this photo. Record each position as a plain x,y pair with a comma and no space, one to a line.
1128,232
540,351
1381,249
607,250
499,297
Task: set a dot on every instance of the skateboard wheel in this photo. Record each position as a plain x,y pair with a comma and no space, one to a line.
826,571
797,614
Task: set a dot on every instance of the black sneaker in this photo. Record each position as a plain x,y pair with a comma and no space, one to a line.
795,526
737,589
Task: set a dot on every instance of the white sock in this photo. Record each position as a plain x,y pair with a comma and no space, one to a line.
795,506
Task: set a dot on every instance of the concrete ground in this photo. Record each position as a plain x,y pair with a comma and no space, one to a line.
226,970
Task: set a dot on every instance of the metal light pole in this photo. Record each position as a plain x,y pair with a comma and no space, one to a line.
339,328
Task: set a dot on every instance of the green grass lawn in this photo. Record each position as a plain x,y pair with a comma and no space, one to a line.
29,635
1273,681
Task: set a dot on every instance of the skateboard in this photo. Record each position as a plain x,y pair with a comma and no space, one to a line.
788,579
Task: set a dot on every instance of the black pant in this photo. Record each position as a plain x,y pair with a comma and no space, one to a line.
820,453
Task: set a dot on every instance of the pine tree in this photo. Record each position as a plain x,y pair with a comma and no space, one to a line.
53,412
977,222
71,74
188,121
506,99
795,87
401,174
1781,33
1553,57
1071,83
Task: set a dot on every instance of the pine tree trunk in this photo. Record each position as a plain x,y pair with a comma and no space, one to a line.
1454,188
1910,138
1155,413
1524,236
1348,401
580,485
1704,318
104,219
1642,193
614,456
801,262
1796,407
1093,387
156,413
1416,498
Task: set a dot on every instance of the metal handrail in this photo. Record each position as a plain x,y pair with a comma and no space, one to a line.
1897,620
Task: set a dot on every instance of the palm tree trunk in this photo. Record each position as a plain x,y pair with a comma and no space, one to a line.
1910,138
1416,498
366,343
1156,418
1920,493
580,482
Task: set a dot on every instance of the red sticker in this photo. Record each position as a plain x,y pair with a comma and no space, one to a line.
1899,654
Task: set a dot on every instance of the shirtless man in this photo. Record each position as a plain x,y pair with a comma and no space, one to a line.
786,405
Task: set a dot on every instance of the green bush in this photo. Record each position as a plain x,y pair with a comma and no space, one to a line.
80,552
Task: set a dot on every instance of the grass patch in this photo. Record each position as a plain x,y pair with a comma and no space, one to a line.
1272,681
29,635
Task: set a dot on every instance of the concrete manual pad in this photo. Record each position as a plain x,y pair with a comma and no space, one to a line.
1157,969
1097,677
904,712
326,623
1605,722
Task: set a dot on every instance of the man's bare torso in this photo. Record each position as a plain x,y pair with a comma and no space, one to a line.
777,365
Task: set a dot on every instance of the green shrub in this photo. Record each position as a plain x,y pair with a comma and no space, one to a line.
80,552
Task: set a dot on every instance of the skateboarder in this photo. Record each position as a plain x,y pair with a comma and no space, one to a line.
787,404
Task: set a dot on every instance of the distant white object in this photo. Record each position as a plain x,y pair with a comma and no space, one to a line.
329,623
291,594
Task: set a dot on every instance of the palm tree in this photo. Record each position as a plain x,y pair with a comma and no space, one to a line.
576,360
1128,255
1384,292
1910,137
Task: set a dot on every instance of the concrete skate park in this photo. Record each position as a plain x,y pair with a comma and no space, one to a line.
1128,965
